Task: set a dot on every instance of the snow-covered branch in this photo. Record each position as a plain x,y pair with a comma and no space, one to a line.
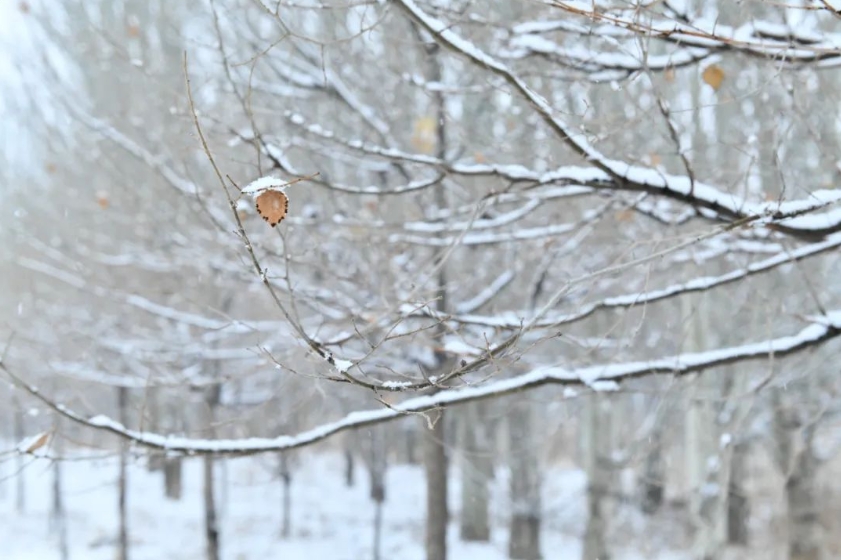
623,175
602,377
513,320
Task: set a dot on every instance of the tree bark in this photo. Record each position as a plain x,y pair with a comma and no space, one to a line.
350,466
286,479
172,477
58,517
652,479
20,478
524,538
476,473
596,439
122,491
410,436
211,523
211,517
738,510
377,468
805,535
435,467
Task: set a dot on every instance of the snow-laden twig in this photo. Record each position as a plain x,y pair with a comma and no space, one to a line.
758,38
513,320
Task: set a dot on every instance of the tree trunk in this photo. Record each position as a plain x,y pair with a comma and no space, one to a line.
524,538
155,461
211,517
211,523
410,436
738,510
705,470
58,517
122,491
286,479
805,538
476,472
350,466
596,451
20,477
172,477
435,466
377,469
653,475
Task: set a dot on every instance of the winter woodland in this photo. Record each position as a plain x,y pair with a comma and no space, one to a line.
557,279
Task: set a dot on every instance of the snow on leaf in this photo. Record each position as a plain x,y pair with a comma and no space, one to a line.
263,184
32,444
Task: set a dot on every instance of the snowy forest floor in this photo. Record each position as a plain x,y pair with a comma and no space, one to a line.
330,521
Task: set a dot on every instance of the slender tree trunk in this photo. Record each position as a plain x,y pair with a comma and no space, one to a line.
211,516
738,510
211,523
172,466
172,477
153,405
223,488
410,436
704,460
20,478
805,539
435,465
213,397
378,529
524,539
653,476
476,472
58,517
350,465
286,479
799,466
377,469
122,491
596,446
435,456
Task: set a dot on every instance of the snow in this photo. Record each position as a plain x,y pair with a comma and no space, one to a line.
486,294
342,365
461,348
263,184
34,444
329,520
631,61
521,234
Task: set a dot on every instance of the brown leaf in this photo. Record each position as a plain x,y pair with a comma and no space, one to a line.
272,206
23,7
669,75
102,200
713,76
